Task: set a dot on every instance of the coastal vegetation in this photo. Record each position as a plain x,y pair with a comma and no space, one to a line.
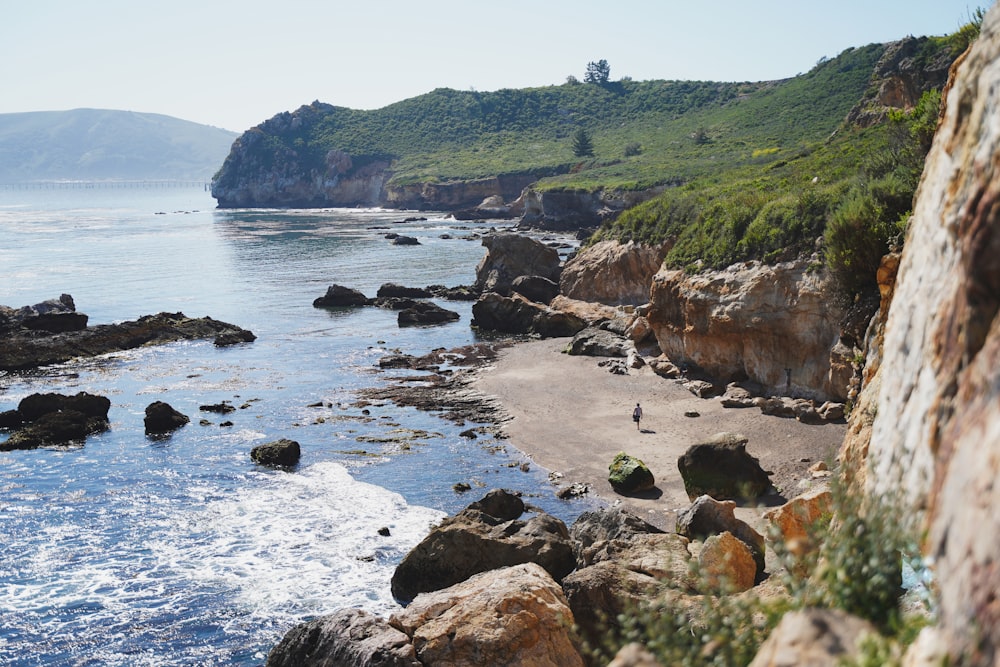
685,128
764,171
850,560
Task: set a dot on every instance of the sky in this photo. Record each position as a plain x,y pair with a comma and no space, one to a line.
235,63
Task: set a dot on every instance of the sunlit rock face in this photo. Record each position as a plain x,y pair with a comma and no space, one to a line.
935,409
778,326
612,273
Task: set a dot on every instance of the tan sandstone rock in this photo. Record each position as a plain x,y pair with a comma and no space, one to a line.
584,310
611,272
797,518
634,655
512,616
813,638
776,325
726,564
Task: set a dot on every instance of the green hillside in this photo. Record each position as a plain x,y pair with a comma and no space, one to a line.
747,170
461,135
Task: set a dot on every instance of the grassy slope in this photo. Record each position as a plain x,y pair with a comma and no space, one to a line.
459,135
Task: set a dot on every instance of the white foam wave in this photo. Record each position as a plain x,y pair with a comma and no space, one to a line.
249,562
304,542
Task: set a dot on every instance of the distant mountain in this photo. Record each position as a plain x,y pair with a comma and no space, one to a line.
102,144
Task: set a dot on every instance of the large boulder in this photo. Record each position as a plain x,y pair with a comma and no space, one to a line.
282,453
707,517
516,314
776,325
475,541
509,256
726,564
600,593
611,272
816,638
662,556
346,637
628,474
53,316
338,296
163,418
536,288
597,342
511,616
607,523
721,467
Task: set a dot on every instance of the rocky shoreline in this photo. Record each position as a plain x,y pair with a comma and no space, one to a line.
53,332
921,448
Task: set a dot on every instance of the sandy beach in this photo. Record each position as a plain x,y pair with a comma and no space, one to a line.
571,416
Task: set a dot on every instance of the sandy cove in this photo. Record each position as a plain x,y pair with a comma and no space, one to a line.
571,416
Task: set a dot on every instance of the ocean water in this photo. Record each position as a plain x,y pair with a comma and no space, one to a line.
180,551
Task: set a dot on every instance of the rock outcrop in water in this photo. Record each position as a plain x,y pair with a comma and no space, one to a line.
54,419
54,336
514,612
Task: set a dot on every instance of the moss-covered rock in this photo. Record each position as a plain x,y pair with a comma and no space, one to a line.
627,474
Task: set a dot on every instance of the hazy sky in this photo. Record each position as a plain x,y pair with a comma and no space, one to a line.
236,63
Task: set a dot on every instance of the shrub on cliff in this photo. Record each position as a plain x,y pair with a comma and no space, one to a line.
855,240
854,565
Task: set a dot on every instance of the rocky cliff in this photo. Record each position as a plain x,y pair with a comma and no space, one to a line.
567,210
773,325
933,406
263,171
907,69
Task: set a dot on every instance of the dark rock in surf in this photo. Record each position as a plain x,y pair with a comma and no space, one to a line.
405,240
23,348
52,316
425,312
283,452
162,418
395,290
338,296
230,338
56,419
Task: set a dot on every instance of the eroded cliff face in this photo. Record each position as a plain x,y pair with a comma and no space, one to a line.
455,195
612,273
568,210
935,402
774,325
267,167
907,69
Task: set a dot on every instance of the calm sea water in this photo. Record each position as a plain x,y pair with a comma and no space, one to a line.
132,551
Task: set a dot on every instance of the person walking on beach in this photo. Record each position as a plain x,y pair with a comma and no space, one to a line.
637,416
